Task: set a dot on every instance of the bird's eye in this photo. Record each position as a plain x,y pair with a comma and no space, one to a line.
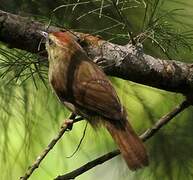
50,42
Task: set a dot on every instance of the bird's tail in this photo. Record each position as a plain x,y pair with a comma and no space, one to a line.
130,145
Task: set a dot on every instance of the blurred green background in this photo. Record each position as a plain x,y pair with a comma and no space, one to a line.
30,114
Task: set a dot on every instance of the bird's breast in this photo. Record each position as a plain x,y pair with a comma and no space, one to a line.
58,79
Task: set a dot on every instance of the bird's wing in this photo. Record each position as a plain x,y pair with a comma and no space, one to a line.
93,91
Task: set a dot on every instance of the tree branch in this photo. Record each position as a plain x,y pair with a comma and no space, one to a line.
126,62
65,126
145,136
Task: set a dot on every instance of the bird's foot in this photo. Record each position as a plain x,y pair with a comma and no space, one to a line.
68,123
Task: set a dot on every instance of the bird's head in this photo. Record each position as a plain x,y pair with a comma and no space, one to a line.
60,43
64,40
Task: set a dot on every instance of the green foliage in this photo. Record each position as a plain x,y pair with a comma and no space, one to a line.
160,28
19,66
31,115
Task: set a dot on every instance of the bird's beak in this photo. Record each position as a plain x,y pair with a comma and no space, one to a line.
44,34
44,39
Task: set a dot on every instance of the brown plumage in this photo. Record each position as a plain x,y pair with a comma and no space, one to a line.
84,89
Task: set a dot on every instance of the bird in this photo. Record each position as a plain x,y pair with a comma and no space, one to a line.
83,87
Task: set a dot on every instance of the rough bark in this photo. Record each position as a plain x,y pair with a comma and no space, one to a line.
126,62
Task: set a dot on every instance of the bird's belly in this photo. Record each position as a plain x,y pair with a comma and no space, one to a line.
70,106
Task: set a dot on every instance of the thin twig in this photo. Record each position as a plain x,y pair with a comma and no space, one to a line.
88,166
164,120
145,136
65,126
125,20
79,144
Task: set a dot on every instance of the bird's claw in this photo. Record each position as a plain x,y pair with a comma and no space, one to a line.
68,124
